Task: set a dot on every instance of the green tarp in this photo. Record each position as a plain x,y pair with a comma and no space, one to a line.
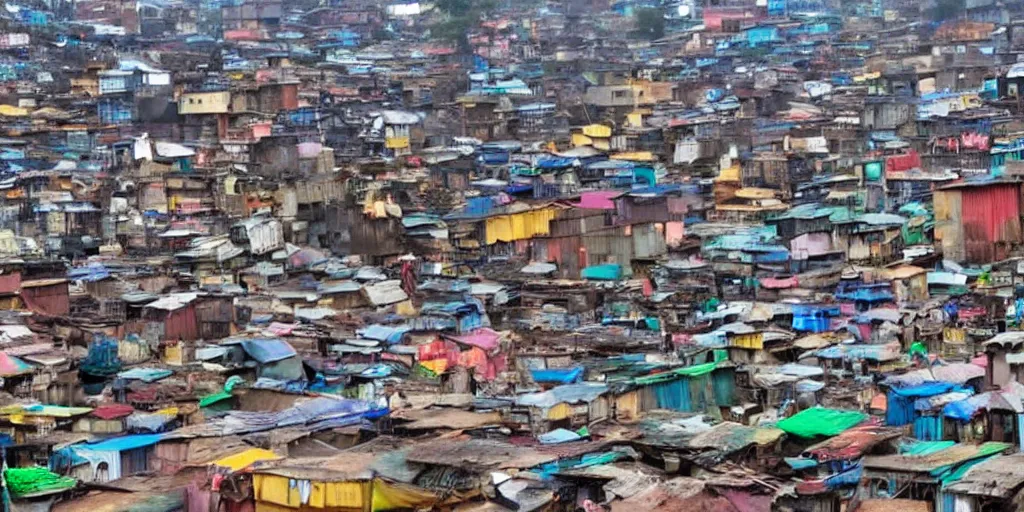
36,481
922,448
689,371
229,386
819,421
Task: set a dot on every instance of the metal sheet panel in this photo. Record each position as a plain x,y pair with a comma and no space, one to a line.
928,428
991,216
181,324
649,241
609,248
565,252
49,300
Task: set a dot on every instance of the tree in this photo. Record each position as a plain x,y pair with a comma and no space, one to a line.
458,18
650,23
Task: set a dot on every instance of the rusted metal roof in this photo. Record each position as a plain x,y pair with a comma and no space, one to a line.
477,453
1000,477
853,443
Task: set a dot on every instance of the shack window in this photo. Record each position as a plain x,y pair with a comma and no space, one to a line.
619,94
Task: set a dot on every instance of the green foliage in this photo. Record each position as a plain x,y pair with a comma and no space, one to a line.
460,16
650,23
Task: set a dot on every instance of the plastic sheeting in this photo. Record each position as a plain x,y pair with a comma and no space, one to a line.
483,338
145,374
609,272
675,395
389,334
809,386
268,350
518,226
900,401
11,366
120,444
570,394
558,375
558,436
397,496
819,421
154,422
557,163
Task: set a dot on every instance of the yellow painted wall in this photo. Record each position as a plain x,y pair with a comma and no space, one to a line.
753,341
204,103
560,412
518,226
274,490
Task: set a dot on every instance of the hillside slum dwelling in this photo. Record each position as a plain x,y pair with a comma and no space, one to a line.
512,255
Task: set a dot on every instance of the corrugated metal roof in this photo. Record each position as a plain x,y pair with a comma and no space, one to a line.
998,477
934,463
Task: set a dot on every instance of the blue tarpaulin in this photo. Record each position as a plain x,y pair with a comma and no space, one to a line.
847,478
799,463
90,273
900,409
495,158
389,334
609,272
556,162
558,436
558,375
120,444
961,411
145,374
268,350
925,390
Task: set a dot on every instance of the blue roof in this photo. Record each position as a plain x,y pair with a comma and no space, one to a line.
553,162
120,444
384,333
145,374
268,350
558,375
925,390
749,242
90,273
477,206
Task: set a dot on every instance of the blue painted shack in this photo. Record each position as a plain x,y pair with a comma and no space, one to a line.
813,317
757,36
